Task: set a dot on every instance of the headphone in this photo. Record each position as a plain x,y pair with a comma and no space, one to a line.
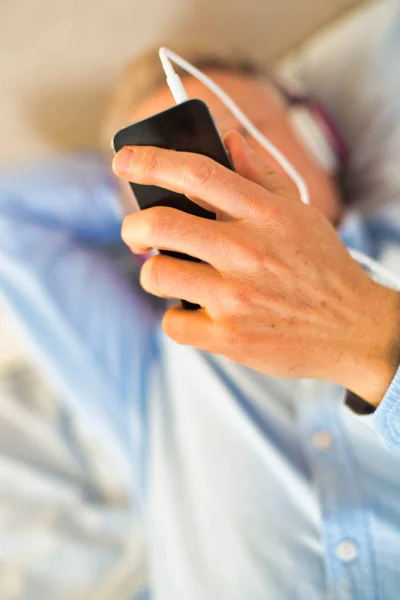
309,131
315,128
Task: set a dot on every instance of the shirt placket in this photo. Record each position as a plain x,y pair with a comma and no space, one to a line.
347,538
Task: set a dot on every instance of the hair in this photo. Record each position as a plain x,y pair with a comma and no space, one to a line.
144,74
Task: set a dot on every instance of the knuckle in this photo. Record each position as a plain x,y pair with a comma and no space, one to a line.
277,218
199,172
238,299
157,222
151,272
150,162
251,256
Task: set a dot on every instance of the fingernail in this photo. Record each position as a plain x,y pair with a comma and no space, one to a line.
122,160
251,154
245,143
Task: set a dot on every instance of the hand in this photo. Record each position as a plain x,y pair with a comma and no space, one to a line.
278,289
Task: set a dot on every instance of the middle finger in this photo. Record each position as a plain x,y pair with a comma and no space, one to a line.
167,228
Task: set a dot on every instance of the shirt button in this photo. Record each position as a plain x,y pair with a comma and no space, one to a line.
322,440
346,550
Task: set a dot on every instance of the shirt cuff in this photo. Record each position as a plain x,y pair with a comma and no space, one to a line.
386,418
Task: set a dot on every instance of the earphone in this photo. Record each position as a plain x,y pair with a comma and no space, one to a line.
304,124
309,130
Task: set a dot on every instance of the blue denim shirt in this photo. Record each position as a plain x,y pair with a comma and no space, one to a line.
238,484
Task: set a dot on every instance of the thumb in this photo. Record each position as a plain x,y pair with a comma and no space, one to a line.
248,164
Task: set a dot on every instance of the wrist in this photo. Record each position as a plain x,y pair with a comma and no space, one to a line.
377,354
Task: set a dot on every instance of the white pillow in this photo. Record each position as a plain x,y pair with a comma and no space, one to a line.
354,69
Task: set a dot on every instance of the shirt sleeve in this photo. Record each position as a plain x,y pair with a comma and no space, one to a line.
87,325
386,418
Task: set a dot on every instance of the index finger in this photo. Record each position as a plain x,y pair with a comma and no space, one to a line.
194,175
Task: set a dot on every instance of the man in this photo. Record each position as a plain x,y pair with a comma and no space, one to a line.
254,478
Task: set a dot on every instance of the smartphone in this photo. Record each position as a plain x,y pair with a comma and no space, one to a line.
186,127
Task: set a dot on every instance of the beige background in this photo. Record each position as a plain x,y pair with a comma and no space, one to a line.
59,59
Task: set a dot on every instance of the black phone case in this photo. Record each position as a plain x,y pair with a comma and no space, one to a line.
186,127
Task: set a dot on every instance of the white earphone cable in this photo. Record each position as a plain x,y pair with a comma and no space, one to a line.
178,91
172,79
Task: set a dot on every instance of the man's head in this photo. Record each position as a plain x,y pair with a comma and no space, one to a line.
143,92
